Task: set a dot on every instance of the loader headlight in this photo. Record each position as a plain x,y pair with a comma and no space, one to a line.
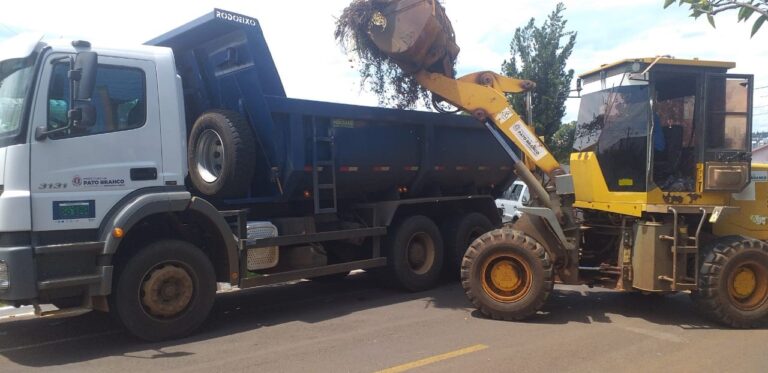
4,280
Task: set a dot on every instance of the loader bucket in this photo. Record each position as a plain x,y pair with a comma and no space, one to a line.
416,35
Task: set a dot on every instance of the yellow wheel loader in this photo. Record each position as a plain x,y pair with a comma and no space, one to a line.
661,195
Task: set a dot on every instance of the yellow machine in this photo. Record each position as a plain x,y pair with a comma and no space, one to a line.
662,196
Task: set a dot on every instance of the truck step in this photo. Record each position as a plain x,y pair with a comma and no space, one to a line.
311,272
67,312
69,282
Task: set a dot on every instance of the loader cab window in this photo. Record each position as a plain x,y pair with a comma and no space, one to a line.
727,113
614,124
673,134
119,100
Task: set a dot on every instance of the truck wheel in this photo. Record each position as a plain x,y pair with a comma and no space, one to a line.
165,291
415,254
733,282
507,274
458,234
221,154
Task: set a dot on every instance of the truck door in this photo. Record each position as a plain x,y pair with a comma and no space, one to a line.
78,174
728,129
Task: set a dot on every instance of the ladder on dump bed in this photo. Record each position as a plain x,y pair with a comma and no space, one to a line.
323,167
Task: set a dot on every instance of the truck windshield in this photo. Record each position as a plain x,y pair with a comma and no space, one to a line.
515,192
15,81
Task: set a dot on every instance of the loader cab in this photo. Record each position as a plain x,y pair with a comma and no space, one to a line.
661,125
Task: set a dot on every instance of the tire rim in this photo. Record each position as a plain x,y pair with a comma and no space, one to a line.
420,253
166,290
748,286
506,277
209,156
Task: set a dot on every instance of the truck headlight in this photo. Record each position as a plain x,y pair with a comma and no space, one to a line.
4,280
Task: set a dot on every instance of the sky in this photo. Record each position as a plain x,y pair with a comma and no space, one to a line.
312,66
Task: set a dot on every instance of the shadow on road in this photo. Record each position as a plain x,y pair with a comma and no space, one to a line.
35,342
579,304
44,343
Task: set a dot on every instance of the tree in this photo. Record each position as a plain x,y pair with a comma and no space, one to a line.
380,73
562,142
539,53
710,8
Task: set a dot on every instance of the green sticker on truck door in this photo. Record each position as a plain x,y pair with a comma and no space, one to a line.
72,210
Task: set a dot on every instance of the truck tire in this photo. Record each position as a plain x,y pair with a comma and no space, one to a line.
458,233
221,154
507,275
164,291
414,254
733,282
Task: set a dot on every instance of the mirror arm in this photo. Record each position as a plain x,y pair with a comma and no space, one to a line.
41,133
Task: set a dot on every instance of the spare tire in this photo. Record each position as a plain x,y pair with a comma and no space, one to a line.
221,154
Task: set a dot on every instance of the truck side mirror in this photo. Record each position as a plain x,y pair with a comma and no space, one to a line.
83,75
83,117
82,84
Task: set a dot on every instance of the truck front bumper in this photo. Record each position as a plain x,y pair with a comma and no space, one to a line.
18,280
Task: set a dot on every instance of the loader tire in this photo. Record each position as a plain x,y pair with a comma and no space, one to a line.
165,291
458,234
414,254
733,282
221,154
507,275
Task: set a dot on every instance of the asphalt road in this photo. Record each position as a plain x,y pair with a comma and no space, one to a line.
356,326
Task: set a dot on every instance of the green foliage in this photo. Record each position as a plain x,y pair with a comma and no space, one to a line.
378,72
562,142
710,8
540,53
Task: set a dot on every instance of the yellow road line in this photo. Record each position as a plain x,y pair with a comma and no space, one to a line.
434,359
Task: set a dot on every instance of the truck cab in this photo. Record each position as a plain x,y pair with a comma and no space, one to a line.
515,197
66,162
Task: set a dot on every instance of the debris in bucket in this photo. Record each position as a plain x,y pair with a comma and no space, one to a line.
389,76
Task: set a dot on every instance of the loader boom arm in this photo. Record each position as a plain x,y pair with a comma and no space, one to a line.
482,94
418,37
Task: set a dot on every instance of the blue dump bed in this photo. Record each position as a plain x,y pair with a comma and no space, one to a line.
375,153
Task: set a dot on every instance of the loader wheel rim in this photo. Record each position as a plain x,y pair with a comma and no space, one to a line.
420,253
506,278
209,154
748,286
166,291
